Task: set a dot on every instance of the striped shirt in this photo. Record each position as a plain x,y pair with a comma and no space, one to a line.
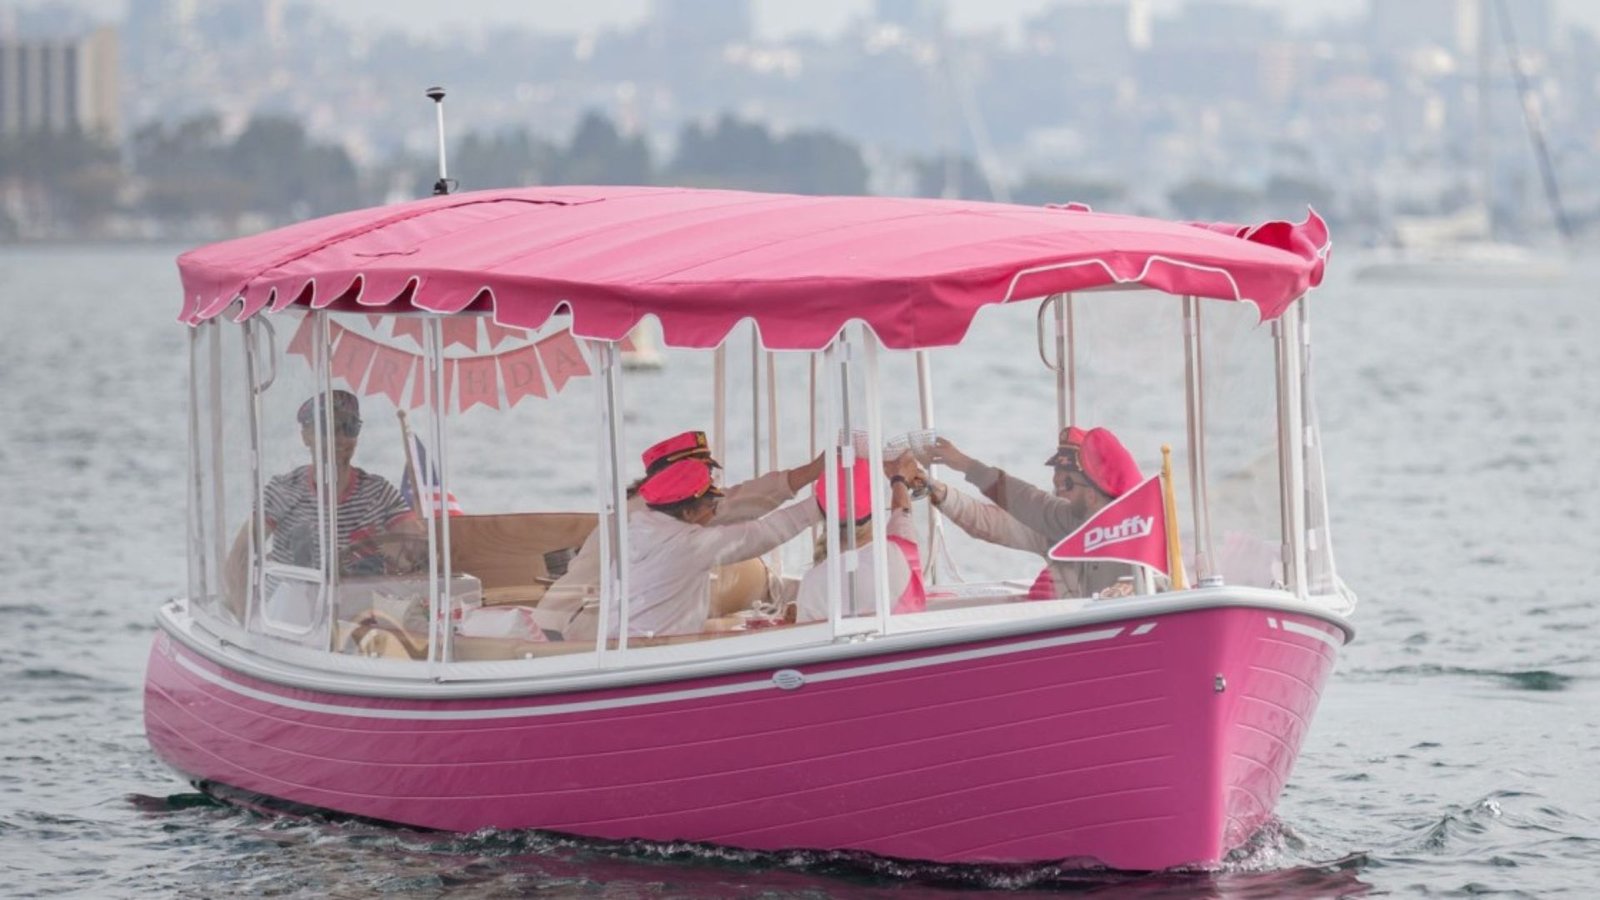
370,505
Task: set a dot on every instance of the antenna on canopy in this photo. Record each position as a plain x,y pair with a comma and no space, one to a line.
445,183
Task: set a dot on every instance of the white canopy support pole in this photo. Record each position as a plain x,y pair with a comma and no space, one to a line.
812,362
719,401
1194,392
219,520
613,527
755,402
830,483
258,478
1297,436
1314,531
1071,361
440,512
1290,461
1064,363
433,344
328,470
1063,416
775,558
773,458
199,571
846,436
930,567
880,504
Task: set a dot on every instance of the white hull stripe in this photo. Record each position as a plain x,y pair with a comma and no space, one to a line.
556,709
1308,631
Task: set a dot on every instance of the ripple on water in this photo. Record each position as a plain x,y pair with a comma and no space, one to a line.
1526,680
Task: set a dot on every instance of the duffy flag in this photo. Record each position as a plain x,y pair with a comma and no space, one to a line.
1131,529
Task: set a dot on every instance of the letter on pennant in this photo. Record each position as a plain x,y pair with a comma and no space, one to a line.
352,355
519,369
390,369
478,383
562,358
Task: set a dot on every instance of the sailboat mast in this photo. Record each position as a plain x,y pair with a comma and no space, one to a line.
1530,115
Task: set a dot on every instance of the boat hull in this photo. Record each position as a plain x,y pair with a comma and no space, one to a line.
1141,744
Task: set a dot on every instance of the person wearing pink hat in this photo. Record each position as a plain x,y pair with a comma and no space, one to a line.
674,543
1091,468
904,560
740,503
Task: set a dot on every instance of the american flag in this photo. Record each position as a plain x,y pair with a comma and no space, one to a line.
422,469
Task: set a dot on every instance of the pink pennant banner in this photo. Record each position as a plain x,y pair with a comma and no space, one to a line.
478,382
300,344
462,331
499,334
419,382
390,370
373,368
352,356
519,371
563,359
1130,529
422,393
405,326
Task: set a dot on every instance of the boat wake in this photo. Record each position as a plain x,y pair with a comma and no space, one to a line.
1274,863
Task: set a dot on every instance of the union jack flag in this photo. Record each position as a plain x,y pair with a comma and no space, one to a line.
432,500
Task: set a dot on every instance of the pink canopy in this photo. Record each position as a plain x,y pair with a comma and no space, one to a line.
700,261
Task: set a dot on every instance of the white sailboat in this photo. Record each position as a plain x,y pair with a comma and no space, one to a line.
1461,248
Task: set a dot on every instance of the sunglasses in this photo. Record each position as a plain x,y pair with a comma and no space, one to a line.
1068,482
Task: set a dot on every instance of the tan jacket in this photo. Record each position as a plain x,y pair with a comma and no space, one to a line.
1027,518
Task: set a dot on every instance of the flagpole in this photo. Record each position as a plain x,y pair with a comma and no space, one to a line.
411,463
1169,501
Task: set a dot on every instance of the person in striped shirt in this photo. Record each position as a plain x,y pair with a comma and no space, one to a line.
376,530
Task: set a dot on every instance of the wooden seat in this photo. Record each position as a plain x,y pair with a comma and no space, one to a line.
506,551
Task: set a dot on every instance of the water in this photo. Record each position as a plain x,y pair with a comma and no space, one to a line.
1452,755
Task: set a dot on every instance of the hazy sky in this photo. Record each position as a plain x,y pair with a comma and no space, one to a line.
772,16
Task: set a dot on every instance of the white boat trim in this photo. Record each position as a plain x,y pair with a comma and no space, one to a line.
1306,630
558,709
533,677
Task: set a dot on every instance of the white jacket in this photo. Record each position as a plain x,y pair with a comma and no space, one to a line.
812,600
742,502
670,563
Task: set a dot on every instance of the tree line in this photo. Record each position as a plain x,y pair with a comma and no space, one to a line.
191,176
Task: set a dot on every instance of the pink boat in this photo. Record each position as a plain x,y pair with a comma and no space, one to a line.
414,665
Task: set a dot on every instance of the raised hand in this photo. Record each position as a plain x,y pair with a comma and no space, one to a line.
947,453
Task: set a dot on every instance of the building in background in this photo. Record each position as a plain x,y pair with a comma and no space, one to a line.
695,23
61,85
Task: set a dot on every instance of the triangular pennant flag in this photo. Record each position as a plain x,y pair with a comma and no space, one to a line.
408,326
562,358
478,382
352,355
463,331
1130,529
519,369
498,334
300,344
390,370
